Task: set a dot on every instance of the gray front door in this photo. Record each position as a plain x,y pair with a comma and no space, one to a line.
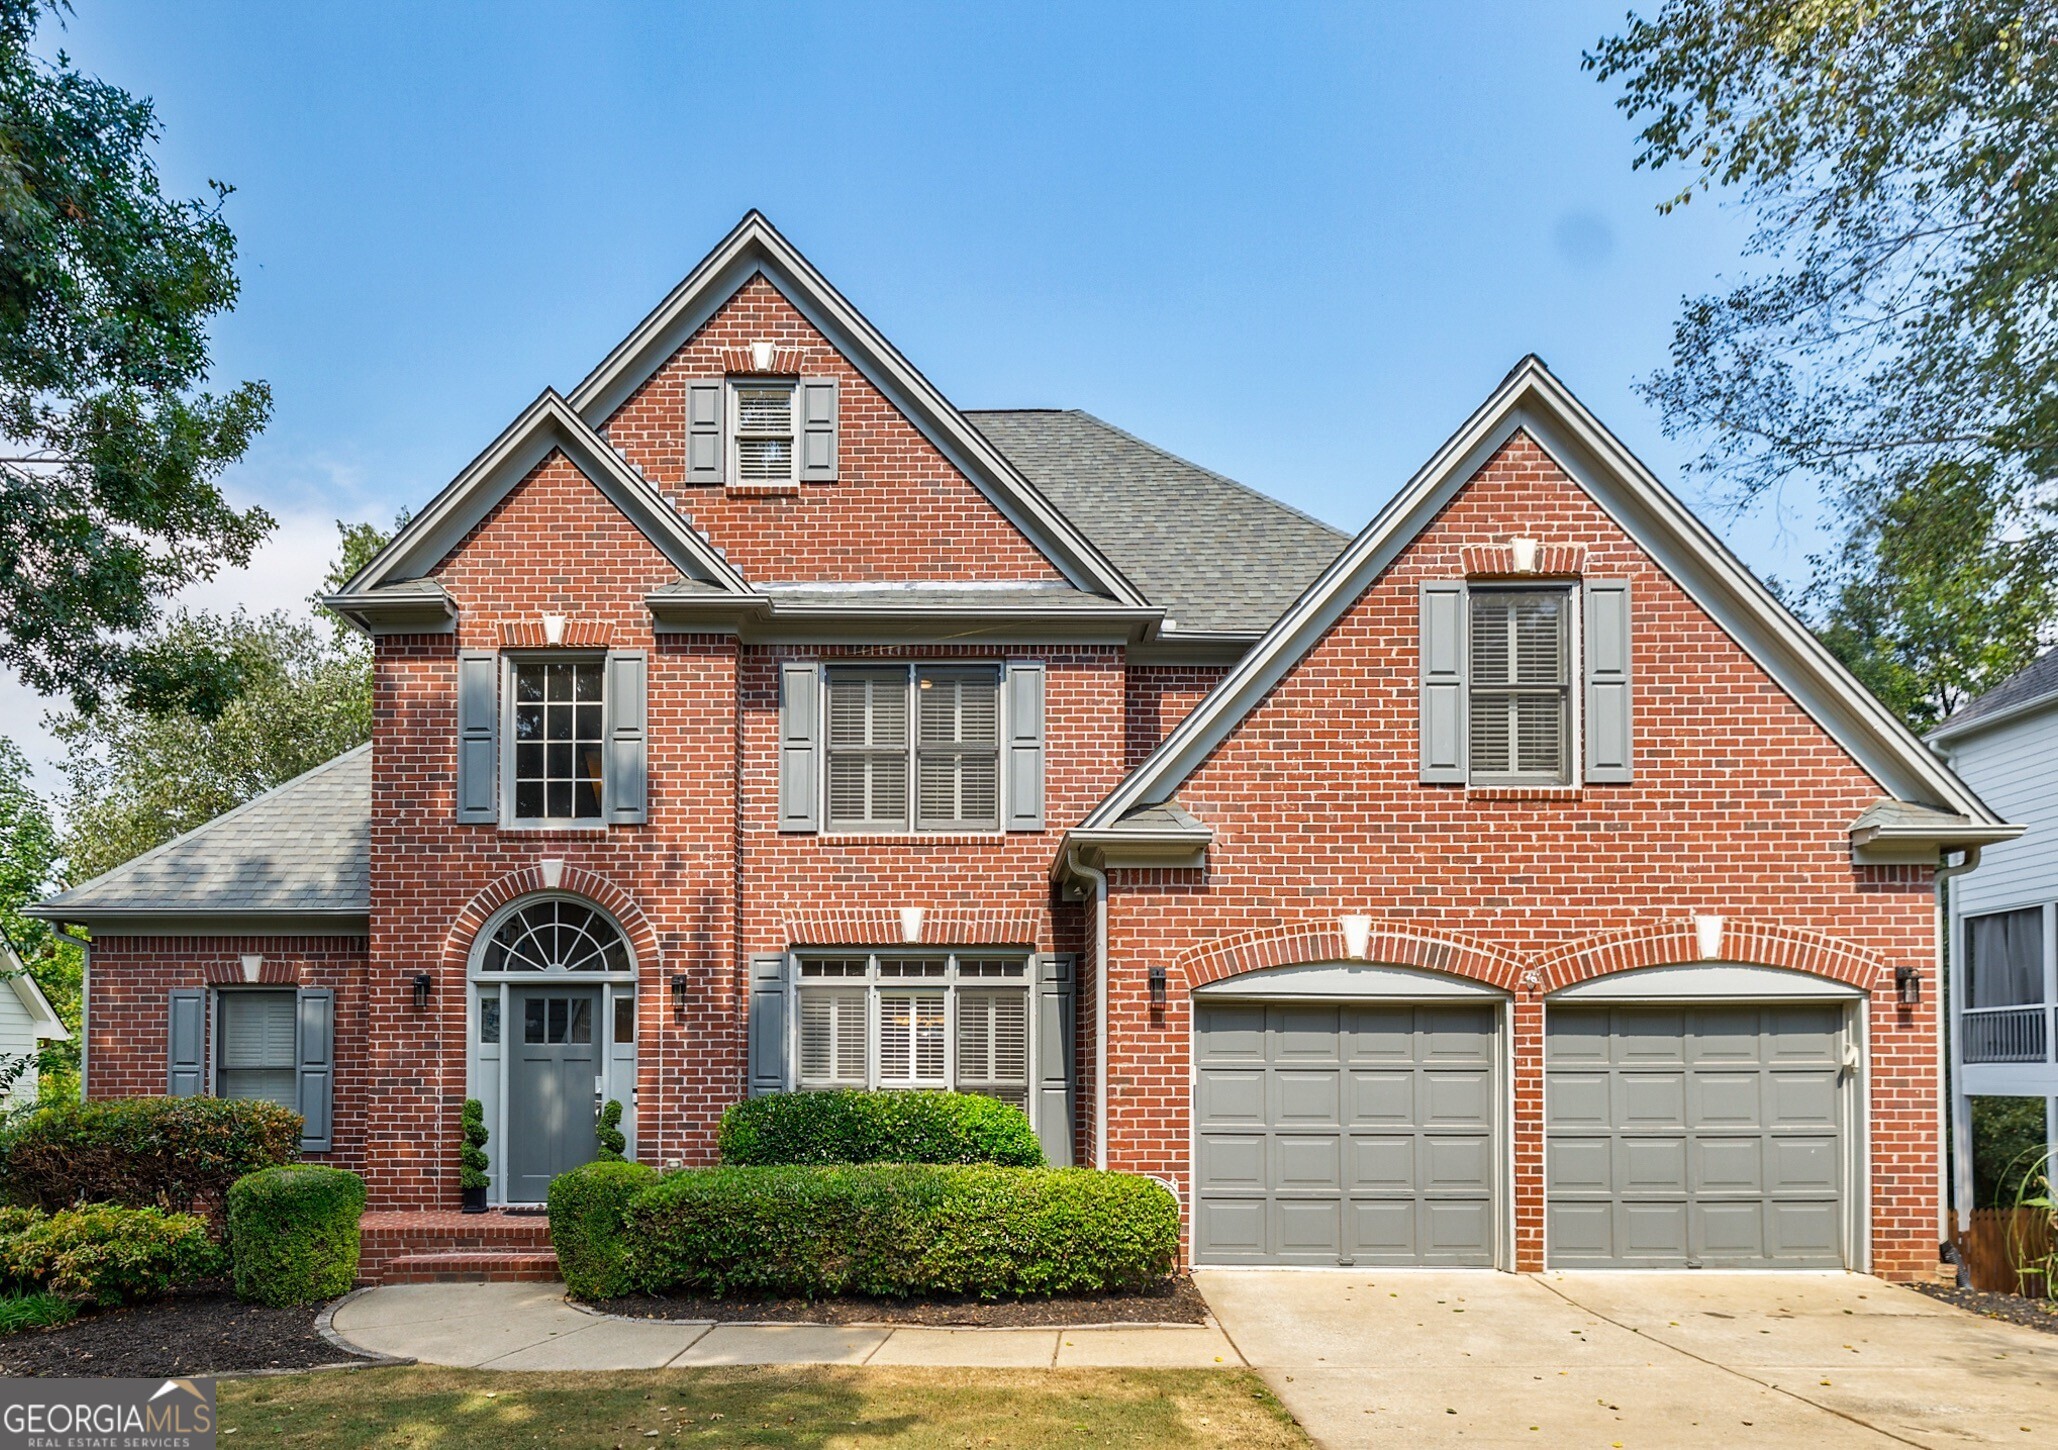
555,1056
1344,1133
1677,1137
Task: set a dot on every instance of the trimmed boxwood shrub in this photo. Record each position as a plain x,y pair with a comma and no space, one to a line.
179,1154
853,1126
105,1254
900,1230
293,1233
586,1207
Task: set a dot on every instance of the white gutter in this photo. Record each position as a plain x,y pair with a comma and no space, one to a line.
1946,1063
1075,862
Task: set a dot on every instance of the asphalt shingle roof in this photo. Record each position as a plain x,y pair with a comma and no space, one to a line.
1214,554
302,847
2033,682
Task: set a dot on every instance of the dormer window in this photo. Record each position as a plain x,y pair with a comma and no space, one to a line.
761,423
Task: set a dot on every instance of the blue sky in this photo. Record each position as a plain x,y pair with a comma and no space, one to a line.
1297,244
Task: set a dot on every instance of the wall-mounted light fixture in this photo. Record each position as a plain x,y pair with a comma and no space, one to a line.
1907,986
1157,986
423,985
678,996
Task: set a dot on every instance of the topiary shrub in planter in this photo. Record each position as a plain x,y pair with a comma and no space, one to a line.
586,1215
877,1127
900,1230
179,1154
293,1233
105,1254
471,1156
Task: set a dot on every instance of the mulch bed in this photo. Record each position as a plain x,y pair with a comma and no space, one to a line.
195,1332
1174,1302
2011,1308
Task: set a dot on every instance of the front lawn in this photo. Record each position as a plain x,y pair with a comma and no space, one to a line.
814,1406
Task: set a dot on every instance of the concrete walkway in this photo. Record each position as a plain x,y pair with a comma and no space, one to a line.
1634,1359
530,1326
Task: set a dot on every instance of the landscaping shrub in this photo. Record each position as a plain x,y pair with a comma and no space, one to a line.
901,1230
609,1130
105,1254
877,1127
179,1154
586,1207
472,1162
34,1310
293,1233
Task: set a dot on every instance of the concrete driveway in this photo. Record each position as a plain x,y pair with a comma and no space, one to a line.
1414,1357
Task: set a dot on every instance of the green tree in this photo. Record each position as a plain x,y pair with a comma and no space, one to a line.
110,444
1897,345
28,870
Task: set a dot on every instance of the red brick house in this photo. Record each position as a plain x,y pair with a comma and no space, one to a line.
1516,883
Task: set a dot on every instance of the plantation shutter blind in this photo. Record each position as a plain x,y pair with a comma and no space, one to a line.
258,1052
704,418
798,684
1517,662
832,1036
628,766
818,430
868,749
993,1045
764,433
186,1044
1442,710
478,737
958,749
1609,749
315,1057
767,1035
911,1041
1025,745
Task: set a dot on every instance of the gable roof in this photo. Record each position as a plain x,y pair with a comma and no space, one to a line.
1533,401
1217,556
755,248
547,425
300,850
44,1022
2032,687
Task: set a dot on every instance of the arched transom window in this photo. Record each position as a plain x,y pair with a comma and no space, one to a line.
556,936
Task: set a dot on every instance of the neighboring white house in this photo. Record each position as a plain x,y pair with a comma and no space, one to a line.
2004,915
27,1021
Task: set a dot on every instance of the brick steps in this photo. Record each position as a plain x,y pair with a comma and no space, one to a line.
436,1245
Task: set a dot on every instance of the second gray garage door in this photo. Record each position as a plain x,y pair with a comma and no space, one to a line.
1678,1137
1345,1132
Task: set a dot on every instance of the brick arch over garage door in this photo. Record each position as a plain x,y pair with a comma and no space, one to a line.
531,881
1753,943
1392,944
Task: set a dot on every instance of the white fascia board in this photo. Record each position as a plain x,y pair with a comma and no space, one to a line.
547,425
43,1018
756,247
1531,400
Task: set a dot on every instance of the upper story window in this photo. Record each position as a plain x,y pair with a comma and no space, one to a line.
938,727
552,739
1521,686
762,427
2004,959
559,764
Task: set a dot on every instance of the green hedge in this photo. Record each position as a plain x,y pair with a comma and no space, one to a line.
179,1154
105,1254
293,1233
586,1207
901,1230
877,1127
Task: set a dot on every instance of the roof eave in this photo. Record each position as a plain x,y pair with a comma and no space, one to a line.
1114,847
158,921
378,614
1952,730
1887,845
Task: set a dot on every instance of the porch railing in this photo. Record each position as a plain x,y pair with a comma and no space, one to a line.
2006,1034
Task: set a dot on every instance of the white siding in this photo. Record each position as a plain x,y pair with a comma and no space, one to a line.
2014,768
17,1038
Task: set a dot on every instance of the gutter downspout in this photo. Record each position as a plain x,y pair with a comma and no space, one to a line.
85,998
1946,1075
1075,862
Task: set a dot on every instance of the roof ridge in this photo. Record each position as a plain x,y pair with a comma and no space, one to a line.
209,824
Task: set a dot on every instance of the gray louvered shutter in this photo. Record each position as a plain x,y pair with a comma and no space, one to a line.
1056,997
818,430
478,736
628,745
1443,680
186,1044
799,760
767,1025
1609,747
705,415
1025,746
314,1040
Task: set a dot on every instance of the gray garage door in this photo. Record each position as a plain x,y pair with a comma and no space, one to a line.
1689,1136
1346,1132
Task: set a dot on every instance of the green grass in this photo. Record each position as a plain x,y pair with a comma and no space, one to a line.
33,1311
814,1406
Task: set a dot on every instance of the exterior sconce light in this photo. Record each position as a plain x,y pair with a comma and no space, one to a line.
1157,987
1907,986
423,985
678,996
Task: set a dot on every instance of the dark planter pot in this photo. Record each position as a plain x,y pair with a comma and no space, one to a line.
474,1200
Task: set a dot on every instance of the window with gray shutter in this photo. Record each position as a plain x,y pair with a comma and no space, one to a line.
868,750
957,749
186,1044
557,724
315,1053
706,410
478,736
1025,745
1442,648
762,432
1518,702
767,1025
257,1051
818,430
628,751
1606,647
799,712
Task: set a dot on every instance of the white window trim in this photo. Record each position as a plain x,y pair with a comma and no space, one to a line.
910,824
509,660
732,462
1575,687
950,983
